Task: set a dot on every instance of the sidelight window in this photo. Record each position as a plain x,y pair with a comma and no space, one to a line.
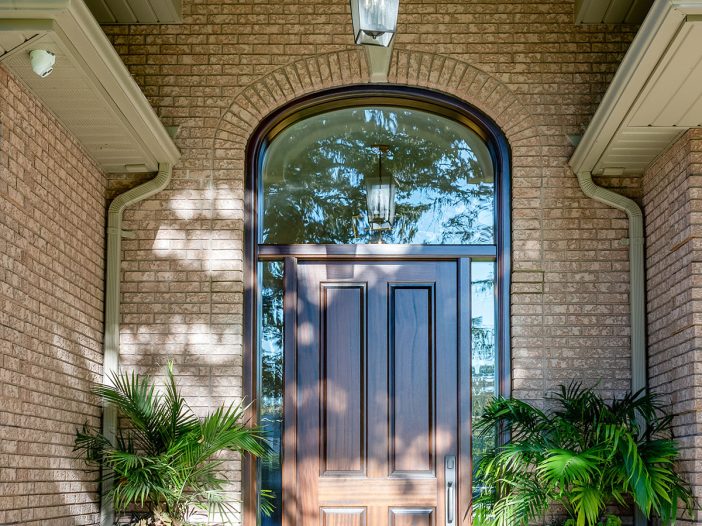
270,385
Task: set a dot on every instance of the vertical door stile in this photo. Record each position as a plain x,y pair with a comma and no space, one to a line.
377,396
445,303
464,392
289,464
250,466
309,341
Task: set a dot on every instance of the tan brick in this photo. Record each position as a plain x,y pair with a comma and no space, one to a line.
674,313
52,199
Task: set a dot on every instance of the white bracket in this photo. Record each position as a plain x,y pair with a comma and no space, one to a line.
378,58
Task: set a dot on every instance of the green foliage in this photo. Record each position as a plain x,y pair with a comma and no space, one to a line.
609,520
166,461
586,454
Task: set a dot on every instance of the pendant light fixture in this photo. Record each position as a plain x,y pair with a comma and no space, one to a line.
380,195
374,21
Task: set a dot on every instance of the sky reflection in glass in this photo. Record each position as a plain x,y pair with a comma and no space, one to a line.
314,191
483,349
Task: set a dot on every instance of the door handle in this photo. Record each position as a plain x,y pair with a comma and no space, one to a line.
450,483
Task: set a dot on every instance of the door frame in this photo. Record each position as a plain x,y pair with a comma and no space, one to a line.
362,95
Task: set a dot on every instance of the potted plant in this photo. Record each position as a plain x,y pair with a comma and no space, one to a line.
585,454
165,462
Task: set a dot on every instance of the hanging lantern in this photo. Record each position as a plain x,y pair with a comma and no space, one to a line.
380,195
374,21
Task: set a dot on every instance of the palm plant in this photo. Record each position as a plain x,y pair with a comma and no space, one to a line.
586,454
166,460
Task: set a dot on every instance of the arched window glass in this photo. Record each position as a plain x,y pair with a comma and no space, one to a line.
318,174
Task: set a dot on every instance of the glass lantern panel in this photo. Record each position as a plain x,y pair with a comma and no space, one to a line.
374,21
378,16
381,202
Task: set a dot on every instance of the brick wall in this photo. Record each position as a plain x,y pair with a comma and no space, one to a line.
673,202
523,63
52,207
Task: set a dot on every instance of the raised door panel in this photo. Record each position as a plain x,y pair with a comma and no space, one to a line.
343,517
412,517
343,379
412,378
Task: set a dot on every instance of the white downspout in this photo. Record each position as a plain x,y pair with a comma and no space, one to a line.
636,273
637,298
112,303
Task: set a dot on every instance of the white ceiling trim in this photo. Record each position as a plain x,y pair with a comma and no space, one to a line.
611,11
136,11
72,27
617,121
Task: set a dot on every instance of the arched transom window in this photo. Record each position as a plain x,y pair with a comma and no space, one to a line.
327,179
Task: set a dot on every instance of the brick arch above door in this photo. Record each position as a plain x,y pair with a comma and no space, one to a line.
408,68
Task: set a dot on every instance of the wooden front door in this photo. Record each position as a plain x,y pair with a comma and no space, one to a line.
377,422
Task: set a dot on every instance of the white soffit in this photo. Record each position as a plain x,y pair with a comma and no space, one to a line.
90,89
15,40
655,96
611,11
136,11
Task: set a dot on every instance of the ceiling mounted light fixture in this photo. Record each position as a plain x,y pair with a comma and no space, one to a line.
374,21
380,195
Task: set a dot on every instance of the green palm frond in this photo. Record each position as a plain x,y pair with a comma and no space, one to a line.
522,418
137,400
526,499
168,458
178,418
91,445
586,454
564,467
588,503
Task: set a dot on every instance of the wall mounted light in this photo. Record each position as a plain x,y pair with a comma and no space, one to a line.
380,195
42,62
374,21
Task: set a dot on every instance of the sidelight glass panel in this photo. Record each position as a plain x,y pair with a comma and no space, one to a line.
484,351
317,172
270,397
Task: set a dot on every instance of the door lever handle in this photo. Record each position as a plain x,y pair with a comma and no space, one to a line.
450,483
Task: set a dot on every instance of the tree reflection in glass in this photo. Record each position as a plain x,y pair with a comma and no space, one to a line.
483,352
314,191
270,366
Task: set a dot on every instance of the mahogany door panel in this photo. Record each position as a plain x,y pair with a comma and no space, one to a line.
411,517
411,377
343,380
376,393
343,517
